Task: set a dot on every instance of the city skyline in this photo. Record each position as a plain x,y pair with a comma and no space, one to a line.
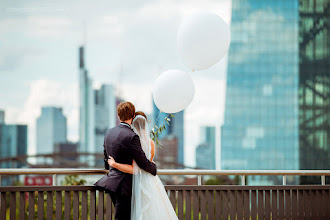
270,103
40,59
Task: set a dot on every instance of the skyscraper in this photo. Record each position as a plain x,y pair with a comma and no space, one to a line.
314,87
51,129
176,128
13,143
2,117
97,110
205,151
86,108
105,112
260,129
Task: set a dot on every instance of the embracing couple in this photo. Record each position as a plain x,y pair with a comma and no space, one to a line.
136,192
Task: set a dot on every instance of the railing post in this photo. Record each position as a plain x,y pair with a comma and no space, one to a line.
199,180
54,179
323,179
243,180
284,180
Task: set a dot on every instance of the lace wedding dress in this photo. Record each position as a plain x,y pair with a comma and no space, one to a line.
149,198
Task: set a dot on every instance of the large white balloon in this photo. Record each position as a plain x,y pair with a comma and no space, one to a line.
203,39
173,91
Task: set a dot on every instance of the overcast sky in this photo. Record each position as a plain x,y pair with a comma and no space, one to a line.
128,43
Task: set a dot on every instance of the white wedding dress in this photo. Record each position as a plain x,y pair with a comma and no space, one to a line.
149,198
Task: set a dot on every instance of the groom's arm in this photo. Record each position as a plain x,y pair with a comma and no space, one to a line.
140,157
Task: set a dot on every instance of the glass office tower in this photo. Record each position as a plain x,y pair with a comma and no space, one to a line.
205,151
51,129
261,126
176,128
314,86
13,143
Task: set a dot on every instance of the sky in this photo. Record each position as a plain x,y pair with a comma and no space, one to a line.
128,44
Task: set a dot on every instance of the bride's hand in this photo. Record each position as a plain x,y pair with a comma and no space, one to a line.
111,161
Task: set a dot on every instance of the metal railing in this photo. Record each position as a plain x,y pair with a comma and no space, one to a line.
190,202
199,173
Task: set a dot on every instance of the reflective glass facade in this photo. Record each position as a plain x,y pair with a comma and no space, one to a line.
175,128
314,86
51,129
205,151
261,126
13,143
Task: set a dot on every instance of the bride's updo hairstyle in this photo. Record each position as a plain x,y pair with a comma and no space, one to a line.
141,113
141,122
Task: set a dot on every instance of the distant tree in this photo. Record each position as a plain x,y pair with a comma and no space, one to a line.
18,183
222,180
73,180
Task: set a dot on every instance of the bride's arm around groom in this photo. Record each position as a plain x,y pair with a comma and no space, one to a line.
126,168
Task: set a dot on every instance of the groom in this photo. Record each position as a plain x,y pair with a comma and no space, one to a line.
124,146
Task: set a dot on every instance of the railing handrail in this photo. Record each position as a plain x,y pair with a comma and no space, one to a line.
52,171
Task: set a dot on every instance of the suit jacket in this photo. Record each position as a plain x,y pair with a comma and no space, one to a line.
123,144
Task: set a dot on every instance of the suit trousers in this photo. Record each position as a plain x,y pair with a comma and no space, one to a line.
122,206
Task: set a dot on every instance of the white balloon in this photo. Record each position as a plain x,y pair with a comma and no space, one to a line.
173,91
203,39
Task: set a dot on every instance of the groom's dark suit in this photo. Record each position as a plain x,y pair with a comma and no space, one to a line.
124,146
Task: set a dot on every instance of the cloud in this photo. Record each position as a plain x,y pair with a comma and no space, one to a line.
37,26
12,57
49,26
8,62
47,93
146,37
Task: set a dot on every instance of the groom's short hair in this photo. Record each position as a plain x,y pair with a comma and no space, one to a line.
125,111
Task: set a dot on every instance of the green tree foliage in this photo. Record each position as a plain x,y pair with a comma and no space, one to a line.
155,131
223,180
73,180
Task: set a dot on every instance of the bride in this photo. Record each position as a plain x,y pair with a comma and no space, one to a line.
149,198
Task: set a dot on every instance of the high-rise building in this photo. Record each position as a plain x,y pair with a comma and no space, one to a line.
166,156
314,87
97,110
86,107
67,151
51,129
105,112
13,143
2,117
175,128
205,151
261,126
